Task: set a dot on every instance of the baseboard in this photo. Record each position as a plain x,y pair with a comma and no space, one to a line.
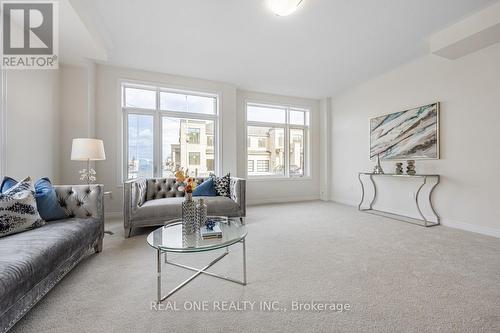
264,201
488,231
344,201
113,215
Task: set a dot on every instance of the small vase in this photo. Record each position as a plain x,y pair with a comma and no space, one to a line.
188,215
201,214
399,168
378,168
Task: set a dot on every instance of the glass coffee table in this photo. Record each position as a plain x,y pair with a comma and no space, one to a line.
169,238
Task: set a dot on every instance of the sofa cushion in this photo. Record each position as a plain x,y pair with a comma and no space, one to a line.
45,195
159,188
46,201
141,191
170,208
206,189
222,184
222,206
18,210
27,258
7,183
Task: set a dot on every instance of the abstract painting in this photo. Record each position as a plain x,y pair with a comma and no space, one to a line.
410,134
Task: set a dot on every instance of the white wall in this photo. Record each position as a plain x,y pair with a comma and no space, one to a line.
469,92
32,124
77,104
266,191
109,122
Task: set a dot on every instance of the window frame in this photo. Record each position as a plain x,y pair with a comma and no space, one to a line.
306,127
158,115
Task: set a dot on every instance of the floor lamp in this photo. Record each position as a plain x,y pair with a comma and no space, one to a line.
85,149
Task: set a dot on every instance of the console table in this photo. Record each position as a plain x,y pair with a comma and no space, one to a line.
423,221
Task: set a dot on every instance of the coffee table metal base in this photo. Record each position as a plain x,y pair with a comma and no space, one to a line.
198,271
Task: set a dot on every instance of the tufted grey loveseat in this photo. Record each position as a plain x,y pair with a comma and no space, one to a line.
34,261
154,201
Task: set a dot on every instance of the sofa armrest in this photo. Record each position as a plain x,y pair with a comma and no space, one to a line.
237,192
82,201
134,194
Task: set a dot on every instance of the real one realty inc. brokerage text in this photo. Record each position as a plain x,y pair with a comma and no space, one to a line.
263,306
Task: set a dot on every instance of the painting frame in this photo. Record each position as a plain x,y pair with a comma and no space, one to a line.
438,135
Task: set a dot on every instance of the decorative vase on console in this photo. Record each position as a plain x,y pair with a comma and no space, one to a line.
201,214
378,168
399,168
187,185
410,168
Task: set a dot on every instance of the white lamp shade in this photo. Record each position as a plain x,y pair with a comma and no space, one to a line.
84,149
283,7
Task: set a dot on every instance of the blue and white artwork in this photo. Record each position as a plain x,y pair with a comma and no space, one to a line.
411,134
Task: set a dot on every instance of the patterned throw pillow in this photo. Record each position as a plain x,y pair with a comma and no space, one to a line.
18,209
221,184
141,191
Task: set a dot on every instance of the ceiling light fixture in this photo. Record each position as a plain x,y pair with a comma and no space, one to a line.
283,7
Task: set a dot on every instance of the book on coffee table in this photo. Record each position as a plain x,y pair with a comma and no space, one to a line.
207,233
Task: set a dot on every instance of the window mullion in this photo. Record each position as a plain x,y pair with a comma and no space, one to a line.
287,143
157,138
125,175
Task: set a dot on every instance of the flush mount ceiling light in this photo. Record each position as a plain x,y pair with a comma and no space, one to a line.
283,7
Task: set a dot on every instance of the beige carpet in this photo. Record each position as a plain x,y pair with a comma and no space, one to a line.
395,276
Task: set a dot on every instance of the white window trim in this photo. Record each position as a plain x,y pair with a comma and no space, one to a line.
157,113
287,126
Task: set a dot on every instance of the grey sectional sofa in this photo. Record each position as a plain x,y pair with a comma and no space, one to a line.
32,262
154,201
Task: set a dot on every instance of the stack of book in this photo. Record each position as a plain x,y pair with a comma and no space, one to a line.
209,234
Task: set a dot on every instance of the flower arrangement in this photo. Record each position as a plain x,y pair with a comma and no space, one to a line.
186,183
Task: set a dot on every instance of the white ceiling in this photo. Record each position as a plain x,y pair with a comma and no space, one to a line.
323,48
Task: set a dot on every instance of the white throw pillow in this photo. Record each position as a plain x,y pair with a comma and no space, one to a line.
18,211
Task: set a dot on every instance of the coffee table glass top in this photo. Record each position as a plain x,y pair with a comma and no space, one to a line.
169,237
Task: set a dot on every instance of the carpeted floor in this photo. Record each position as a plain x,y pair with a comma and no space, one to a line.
395,277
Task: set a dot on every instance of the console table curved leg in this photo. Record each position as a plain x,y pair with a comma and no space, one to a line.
430,201
362,192
417,202
374,192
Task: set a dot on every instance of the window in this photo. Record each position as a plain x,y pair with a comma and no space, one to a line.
165,130
296,152
262,166
193,135
140,146
250,166
194,159
210,164
210,140
277,140
262,143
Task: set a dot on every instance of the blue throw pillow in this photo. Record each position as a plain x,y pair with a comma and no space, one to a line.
7,183
46,201
206,189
